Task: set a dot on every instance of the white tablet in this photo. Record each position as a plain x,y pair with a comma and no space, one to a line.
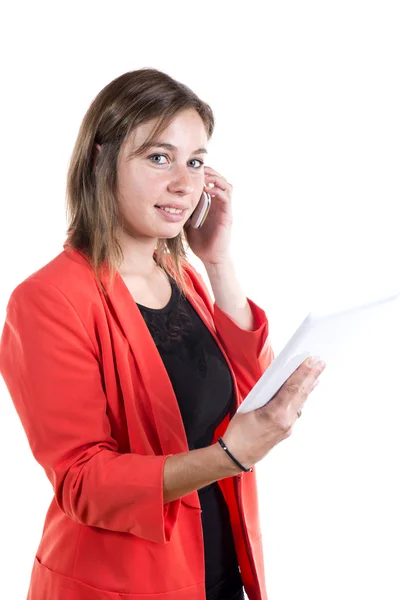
324,334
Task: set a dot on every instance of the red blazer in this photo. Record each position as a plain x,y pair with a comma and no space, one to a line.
101,417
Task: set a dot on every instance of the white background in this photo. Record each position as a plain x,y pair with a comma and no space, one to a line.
306,97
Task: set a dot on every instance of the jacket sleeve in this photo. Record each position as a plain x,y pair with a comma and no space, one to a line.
53,375
250,352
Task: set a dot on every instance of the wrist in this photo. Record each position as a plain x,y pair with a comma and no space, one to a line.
232,457
228,467
221,264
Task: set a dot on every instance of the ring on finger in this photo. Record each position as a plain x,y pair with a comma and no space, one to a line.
299,412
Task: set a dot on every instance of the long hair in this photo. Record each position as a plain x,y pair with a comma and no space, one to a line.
122,105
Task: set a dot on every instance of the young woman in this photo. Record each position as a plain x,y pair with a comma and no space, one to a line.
126,375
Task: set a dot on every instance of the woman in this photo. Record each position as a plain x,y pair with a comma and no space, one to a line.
126,375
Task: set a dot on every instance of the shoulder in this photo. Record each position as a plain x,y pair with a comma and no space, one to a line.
69,274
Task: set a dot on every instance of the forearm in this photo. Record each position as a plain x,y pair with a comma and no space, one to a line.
229,295
189,471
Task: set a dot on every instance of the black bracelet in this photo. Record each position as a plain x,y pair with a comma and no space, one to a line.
222,443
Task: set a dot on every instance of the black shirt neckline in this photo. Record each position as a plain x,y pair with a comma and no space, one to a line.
170,302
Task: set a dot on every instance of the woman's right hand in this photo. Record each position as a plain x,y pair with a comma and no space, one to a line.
250,436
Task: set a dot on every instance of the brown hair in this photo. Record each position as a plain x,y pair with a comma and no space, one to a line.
129,100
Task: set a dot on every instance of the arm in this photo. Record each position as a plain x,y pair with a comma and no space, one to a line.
243,329
189,471
54,379
228,294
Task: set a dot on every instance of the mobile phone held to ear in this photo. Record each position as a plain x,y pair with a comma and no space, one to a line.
201,211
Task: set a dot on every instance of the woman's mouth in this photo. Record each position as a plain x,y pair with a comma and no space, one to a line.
172,215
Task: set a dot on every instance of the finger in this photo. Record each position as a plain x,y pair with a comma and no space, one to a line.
314,385
210,171
311,381
309,372
302,378
216,191
219,194
301,406
298,386
218,181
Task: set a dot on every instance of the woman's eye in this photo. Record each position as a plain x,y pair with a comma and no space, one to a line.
156,155
199,161
159,163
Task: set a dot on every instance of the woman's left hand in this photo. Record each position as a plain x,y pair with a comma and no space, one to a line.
211,242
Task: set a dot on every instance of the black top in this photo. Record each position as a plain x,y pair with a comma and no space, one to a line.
203,387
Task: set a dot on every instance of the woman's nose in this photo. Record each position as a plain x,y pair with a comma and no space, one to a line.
181,181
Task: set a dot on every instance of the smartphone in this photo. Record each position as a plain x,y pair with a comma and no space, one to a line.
200,213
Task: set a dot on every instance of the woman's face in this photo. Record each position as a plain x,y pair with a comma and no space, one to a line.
162,176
